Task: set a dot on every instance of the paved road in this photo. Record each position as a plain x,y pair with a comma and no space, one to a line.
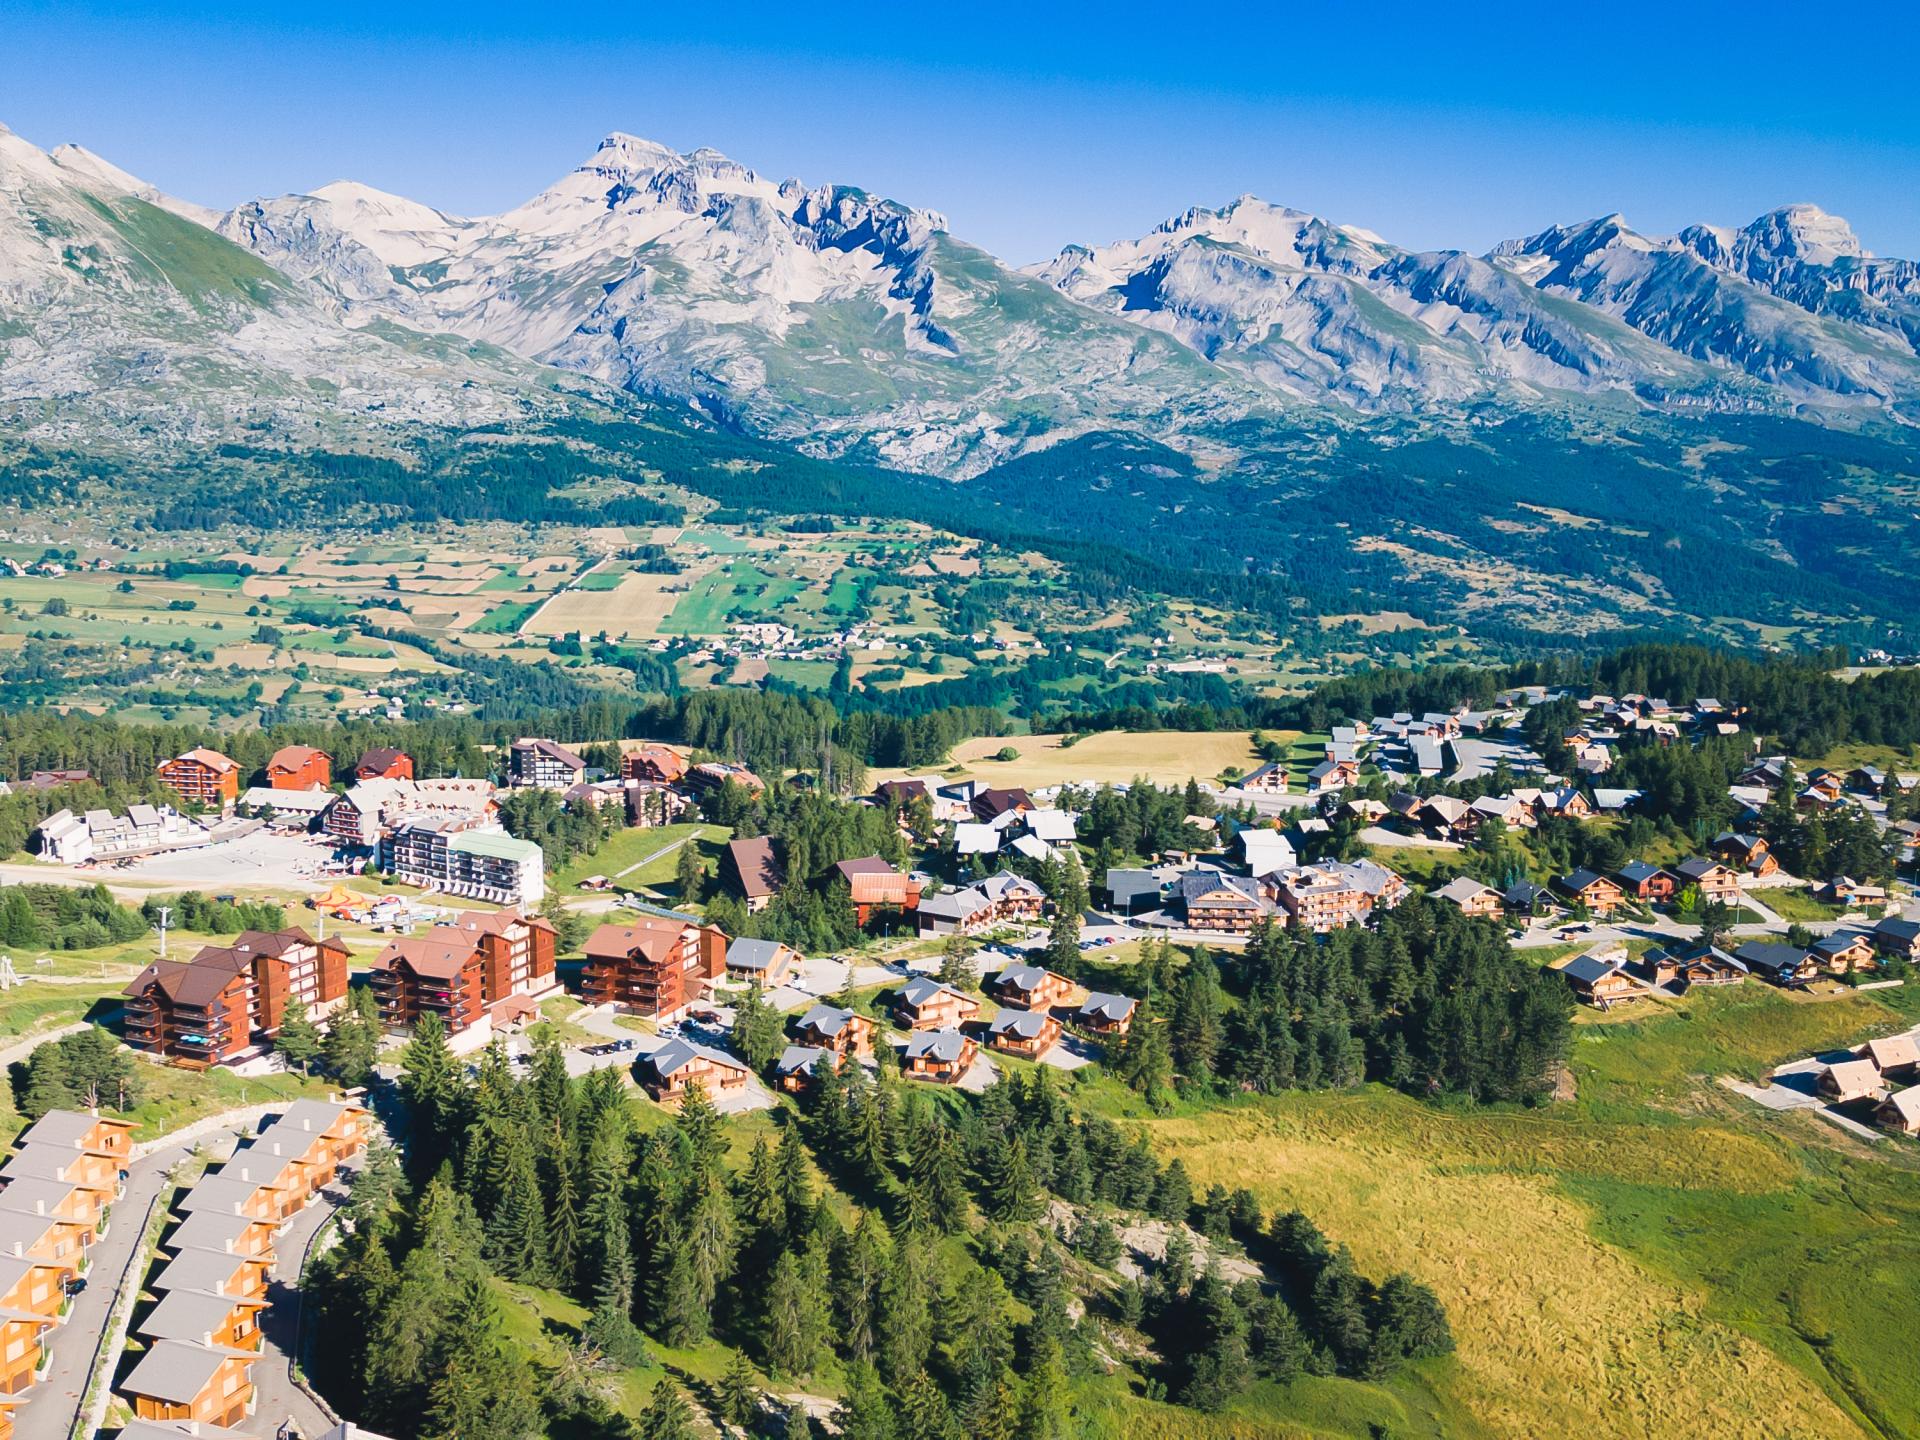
49,1408
276,1397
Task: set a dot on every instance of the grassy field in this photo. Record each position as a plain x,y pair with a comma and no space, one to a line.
1169,757
628,848
1657,1259
1798,905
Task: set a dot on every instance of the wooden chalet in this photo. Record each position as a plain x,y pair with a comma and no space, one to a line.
1691,966
653,965
1104,1015
1029,1034
794,1070
1268,779
1850,1080
1899,937
1601,981
1845,953
1717,883
179,1381
1748,854
1031,987
1784,965
925,1004
943,1056
1896,1057
1471,898
1900,1111
841,1032
670,1071
299,767
767,963
1649,884
877,887
1597,893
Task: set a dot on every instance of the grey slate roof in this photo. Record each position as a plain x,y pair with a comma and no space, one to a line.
1113,1008
798,1060
208,1230
677,1054
189,1315
946,1046
1021,1024
1589,969
827,1019
749,954
922,988
203,1270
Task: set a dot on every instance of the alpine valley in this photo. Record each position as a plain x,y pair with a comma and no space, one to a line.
1248,403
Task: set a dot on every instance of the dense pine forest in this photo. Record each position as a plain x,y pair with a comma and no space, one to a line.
953,1263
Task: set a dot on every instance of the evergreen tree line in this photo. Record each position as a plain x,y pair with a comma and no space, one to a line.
1427,1001
947,1306
83,1071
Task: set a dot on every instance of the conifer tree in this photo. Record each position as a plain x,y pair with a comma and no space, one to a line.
299,1038
610,1327
668,1416
923,1412
1044,1411
792,1340
689,875
796,1181
859,1270
739,1395
482,1389
906,1310
517,1241
865,1411
1010,1194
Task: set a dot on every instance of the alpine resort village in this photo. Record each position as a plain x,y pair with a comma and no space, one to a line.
641,800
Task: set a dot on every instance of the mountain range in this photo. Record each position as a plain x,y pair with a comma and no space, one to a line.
855,326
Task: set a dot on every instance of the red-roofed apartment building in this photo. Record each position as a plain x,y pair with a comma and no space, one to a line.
299,767
203,777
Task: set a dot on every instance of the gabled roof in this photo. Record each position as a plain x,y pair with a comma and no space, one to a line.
955,904
34,1194
441,954
527,745
798,1059
1890,1052
749,954
1697,868
1113,1008
923,988
1580,880
1638,872
174,1371
202,1270
209,1230
191,1316
1774,959
1590,969
1855,1077
677,1054
946,1046
755,865
196,983
1906,1104
827,1019
1021,977
212,759
1462,889
69,1128
1022,1024
657,939
43,1162
295,757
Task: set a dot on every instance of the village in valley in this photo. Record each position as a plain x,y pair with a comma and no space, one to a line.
658,917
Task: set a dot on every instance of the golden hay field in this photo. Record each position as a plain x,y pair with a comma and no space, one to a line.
635,607
1169,757
1559,1334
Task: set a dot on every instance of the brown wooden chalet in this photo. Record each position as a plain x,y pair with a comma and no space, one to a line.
925,1004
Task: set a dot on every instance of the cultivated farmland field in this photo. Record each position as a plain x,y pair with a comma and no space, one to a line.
1168,757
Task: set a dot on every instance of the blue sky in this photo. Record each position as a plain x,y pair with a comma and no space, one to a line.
1029,126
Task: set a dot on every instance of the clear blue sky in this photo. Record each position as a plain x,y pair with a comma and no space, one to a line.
1029,125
